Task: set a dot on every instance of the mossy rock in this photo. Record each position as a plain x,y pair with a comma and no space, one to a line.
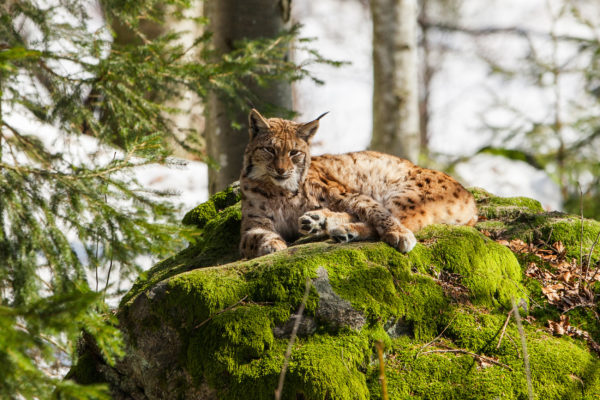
218,221
206,325
524,218
493,207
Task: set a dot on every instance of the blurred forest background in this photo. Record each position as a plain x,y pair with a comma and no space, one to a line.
98,98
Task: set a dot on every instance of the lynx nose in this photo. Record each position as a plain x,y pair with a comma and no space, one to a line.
280,170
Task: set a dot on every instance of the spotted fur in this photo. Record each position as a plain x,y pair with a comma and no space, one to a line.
354,196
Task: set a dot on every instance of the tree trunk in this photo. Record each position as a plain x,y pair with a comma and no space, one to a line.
395,97
230,21
427,71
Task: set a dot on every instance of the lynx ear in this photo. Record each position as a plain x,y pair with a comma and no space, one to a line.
257,123
307,131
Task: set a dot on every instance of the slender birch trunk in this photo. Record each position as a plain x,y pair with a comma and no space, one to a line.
395,88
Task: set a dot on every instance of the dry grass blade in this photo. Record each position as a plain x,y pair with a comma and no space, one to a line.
382,381
288,352
589,261
581,237
524,346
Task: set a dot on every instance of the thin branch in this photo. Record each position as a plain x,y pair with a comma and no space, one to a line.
437,337
221,312
478,356
47,338
498,30
503,329
581,237
288,351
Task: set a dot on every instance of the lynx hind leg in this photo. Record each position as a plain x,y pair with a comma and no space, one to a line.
401,238
340,226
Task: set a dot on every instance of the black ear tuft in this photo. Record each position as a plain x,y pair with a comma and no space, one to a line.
308,130
257,123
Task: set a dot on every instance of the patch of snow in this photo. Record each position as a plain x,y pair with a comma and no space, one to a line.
510,178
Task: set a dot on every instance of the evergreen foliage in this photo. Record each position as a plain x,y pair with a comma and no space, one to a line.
72,225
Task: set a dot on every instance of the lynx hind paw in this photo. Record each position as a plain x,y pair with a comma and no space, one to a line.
271,246
312,223
343,233
403,241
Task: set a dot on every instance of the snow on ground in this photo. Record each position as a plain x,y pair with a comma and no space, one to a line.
512,178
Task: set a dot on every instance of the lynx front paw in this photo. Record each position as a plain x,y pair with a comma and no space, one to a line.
404,241
270,246
312,223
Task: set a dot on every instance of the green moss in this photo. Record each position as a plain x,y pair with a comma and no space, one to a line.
568,230
235,351
329,367
561,367
491,206
321,366
490,271
217,243
439,376
208,210
244,332
526,220
549,227
478,330
192,297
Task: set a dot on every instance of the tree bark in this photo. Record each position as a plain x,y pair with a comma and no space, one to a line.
395,84
230,21
427,71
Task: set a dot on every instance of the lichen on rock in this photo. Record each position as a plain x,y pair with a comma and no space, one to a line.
206,325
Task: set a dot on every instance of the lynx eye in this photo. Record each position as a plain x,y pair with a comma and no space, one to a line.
269,150
294,152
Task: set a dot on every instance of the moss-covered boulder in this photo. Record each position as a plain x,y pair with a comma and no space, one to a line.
206,325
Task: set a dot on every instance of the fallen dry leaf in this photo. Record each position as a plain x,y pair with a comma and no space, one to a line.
552,292
565,276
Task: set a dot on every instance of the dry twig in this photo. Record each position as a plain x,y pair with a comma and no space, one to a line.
288,352
221,312
436,338
478,356
504,329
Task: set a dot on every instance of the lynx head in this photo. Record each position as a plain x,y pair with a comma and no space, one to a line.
278,151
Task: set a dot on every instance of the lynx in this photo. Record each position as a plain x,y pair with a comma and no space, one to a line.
287,193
